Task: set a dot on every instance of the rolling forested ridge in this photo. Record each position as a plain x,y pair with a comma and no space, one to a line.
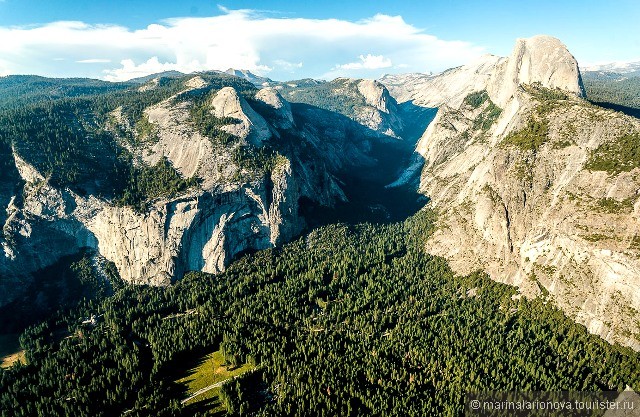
347,320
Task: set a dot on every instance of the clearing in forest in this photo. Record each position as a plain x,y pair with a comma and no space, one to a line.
207,371
10,350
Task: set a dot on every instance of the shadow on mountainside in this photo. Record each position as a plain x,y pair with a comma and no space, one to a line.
365,182
369,200
630,111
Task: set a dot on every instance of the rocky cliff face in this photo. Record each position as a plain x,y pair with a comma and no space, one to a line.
540,59
200,232
249,125
516,165
450,87
247,198
367,102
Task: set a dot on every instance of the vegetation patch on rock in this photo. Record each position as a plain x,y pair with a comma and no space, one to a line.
488,115
533,135
210,126
476,99
146,183
619,155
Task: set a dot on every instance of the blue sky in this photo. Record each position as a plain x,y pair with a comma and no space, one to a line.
292,39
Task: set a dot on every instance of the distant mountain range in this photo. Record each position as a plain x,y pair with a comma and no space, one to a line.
257,80
617,67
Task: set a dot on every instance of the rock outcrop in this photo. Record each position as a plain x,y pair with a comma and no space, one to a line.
238,205
250,126
281,108
450,87
367,102
201,232
509,172
540,59
382,112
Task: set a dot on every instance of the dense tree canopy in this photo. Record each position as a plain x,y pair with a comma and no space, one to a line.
619,92
348,320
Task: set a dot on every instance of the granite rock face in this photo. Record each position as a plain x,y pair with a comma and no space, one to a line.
367,102
200,232
250,126
516,196
236,207
540,59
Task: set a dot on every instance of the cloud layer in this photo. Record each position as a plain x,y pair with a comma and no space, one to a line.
367,62
281,48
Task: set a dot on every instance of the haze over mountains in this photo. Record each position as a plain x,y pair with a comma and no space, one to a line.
151,179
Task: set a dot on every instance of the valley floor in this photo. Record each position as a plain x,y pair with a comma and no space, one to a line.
348,320
206,376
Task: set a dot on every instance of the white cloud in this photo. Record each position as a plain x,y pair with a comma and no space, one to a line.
242,39
286,65
367,62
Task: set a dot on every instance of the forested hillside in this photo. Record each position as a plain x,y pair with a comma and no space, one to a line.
58,126
619,92
334,95
18,90
84,137
76,162
348,320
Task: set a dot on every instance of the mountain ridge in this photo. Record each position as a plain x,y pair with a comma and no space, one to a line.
241,168
617,67
247,169
505,167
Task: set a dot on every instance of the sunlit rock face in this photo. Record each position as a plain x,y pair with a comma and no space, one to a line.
525,208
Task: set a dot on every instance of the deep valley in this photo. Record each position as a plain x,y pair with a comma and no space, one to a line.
219,243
